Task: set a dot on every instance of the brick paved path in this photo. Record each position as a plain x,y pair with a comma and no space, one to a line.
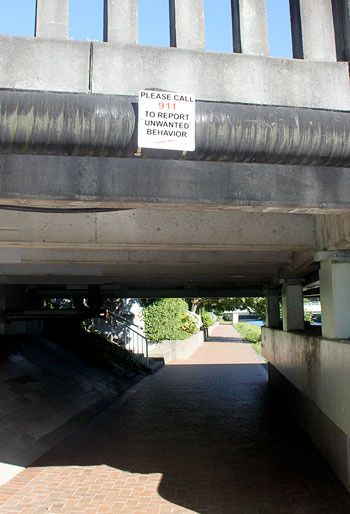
204,435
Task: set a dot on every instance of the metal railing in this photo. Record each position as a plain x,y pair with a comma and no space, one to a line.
124,332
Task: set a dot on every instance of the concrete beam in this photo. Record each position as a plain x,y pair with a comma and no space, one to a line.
52,19
24,255
43,64
187,24
252,25
50,181
121,21
220,77
158,230
333,232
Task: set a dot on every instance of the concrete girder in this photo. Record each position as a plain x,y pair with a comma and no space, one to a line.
20,255
333,232
59,181
154,229
144,247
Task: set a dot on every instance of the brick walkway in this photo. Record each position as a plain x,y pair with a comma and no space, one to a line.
204,435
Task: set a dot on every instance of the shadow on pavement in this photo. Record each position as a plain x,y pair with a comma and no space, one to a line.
221,440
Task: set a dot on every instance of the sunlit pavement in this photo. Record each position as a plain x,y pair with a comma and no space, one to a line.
204,435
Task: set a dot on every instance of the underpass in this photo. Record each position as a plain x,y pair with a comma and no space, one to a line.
205,435
259,208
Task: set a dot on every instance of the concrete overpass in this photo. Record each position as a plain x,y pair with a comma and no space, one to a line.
259,207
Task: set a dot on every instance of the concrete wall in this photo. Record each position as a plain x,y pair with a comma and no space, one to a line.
313,374
177,350
211,329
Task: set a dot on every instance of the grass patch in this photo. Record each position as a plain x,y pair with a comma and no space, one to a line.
250,333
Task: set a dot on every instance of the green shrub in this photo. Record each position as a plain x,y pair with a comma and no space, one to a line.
207,319
308,317
250,333
167,318
188,323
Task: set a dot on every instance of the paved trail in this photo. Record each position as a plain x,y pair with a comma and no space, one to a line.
203,435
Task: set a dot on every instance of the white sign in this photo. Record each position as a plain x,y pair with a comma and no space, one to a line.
166,120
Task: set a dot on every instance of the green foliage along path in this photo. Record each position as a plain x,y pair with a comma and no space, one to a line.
168,319
250,333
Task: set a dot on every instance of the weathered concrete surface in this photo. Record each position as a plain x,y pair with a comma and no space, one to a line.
121,21
187,26
253,27
44,64
318,369
177,350
150,246
335,299
39,64
51,181
317,30
160,229
292,306
220,77
333,232
52,19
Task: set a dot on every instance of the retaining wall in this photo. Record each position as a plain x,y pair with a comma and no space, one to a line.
312,375
177,350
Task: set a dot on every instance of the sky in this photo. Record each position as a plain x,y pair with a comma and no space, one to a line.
86,22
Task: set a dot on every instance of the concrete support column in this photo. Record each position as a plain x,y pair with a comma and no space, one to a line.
187,24
52,19
292,306
249,21
335,299
272,310
121,21
313,32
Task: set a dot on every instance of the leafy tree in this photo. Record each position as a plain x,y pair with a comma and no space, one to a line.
255,305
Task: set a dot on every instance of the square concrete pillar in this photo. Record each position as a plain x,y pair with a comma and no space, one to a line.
249,20
272,311
121,21
315,39
292,307
52,19
187,28
335,299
